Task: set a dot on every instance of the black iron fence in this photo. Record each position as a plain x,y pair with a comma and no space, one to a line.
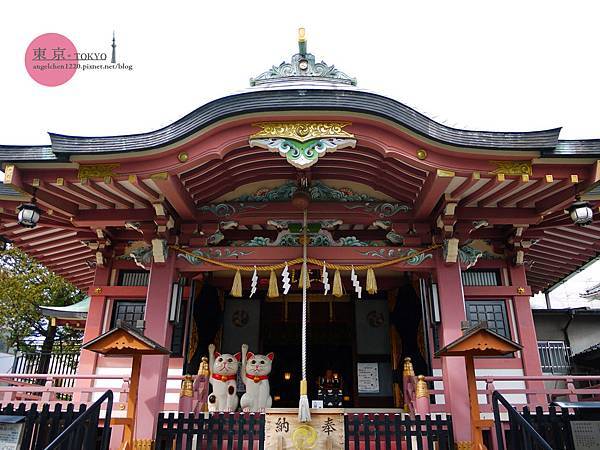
40,426
384,431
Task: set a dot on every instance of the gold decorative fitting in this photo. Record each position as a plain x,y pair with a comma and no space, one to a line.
302,131
520,290
408,368
187,386
203,369
101,171
464,445
183,157
512,167
421,390
98,290
121,406
143,444
35,182
421,154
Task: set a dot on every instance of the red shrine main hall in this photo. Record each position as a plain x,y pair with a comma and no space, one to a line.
423,230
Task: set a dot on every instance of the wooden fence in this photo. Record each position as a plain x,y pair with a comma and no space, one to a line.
243,431
233,431
396,431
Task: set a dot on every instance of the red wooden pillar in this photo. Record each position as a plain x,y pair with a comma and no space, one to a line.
452,309
93,328
527,337
153,376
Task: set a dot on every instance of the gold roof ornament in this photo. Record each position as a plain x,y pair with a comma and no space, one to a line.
302,142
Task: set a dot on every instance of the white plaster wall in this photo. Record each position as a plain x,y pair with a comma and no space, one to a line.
512,398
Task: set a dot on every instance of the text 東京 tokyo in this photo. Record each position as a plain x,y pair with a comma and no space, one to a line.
52,59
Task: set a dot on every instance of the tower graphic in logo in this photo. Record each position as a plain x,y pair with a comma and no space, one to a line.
113,58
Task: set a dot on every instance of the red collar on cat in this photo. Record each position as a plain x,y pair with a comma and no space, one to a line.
216,376
257,378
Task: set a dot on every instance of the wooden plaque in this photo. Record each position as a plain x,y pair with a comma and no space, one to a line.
284,431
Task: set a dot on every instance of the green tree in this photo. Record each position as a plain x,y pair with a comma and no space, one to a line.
25,285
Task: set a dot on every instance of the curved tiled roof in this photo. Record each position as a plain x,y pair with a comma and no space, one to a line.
297,99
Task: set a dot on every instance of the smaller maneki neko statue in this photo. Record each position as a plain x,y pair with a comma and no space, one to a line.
255,374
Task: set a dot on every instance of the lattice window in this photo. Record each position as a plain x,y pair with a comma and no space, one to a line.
492,312
129,312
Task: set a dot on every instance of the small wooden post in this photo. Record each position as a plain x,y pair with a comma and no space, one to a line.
132,400
476,435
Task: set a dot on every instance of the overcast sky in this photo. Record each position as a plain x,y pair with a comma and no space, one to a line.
509,65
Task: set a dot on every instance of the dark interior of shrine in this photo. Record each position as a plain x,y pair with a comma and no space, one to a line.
355,346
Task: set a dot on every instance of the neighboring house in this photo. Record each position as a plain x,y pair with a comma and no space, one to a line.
568,340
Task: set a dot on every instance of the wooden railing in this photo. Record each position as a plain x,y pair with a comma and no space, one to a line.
534,390
62,389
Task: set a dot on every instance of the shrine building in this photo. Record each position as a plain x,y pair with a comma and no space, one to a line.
193,235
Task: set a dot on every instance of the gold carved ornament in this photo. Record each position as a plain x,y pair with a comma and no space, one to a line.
100,171
512,167
302,131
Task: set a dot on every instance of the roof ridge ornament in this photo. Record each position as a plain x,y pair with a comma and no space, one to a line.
301,68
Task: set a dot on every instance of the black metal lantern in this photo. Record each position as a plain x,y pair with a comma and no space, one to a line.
581,212
4,243
29,214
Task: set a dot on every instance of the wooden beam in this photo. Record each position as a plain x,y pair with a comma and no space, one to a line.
108,194
45,186
112,217
529,190
14,179
176,194
465,186
89,195
433,189
127,193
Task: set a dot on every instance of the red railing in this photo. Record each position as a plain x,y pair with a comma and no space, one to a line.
520,390
533,390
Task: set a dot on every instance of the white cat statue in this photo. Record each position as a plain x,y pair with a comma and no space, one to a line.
255,373
223,379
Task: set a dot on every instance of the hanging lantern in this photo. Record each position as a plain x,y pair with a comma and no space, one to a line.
29,214
581,212
4,243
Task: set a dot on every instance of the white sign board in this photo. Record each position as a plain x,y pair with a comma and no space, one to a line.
10,436
368,378
586,434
